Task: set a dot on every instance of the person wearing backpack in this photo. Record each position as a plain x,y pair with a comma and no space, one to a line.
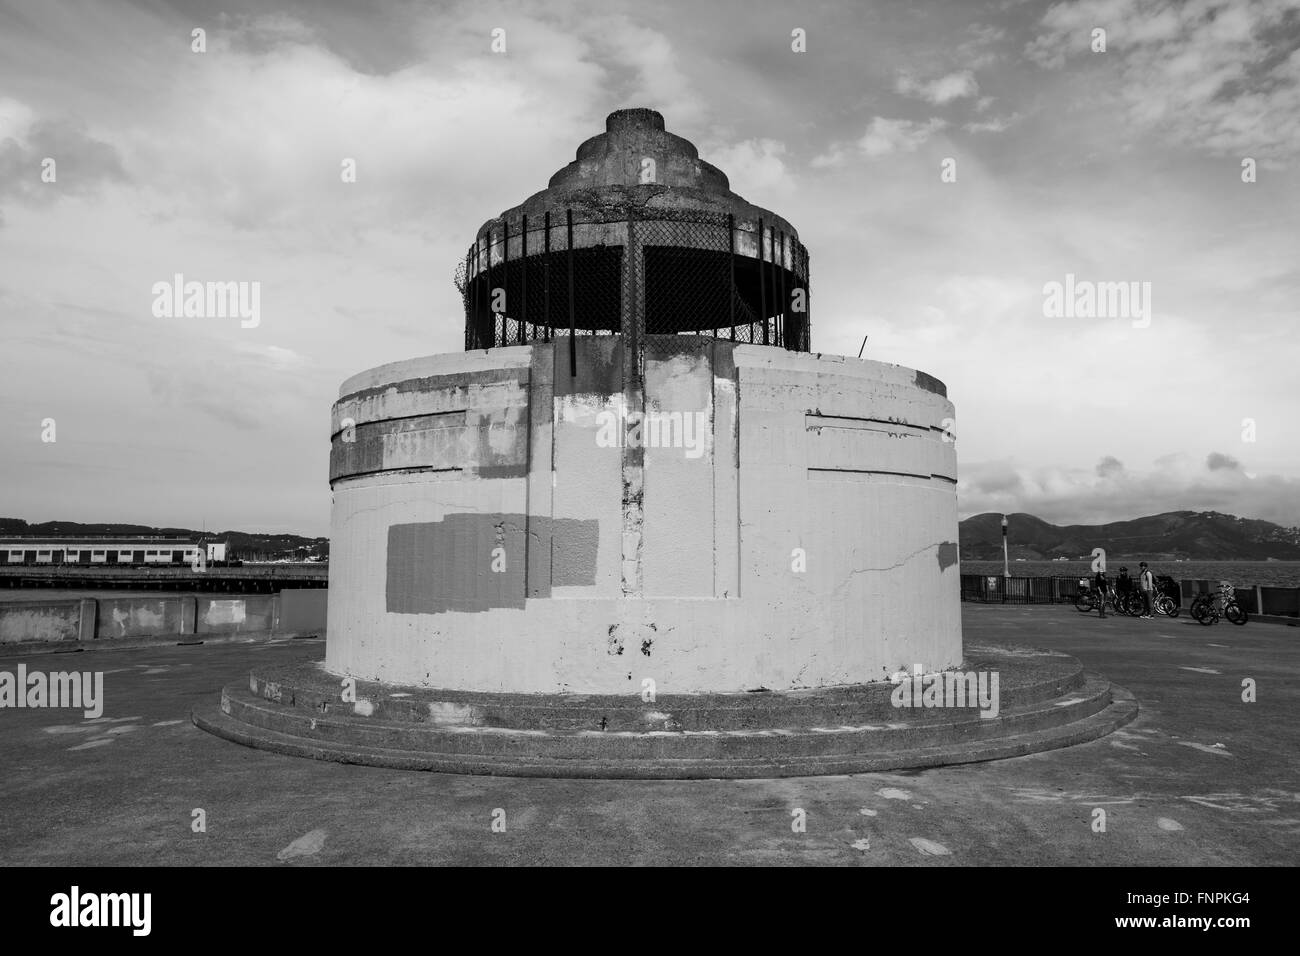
1147,584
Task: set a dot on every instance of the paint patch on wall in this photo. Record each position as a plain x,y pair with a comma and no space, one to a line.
476,562
931,384
224,612
947,555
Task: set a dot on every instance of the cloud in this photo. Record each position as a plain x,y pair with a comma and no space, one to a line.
885,136
1108,466
1111,492
754,166
81,165
999,124
954,86
1222,76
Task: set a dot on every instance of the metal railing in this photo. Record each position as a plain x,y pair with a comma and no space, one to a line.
690,273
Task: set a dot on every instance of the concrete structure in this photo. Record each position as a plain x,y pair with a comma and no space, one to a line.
715,516
803,533
639,529
126,620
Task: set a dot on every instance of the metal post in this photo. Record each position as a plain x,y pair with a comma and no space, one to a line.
784,301
546,276
523,264
771,275
805,332
1006,568
473,299
573,344
731,263
762,283
505,280
469,294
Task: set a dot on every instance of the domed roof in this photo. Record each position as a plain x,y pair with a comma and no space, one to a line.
636,164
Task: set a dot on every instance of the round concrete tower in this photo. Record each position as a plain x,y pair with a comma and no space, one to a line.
638,469
639,529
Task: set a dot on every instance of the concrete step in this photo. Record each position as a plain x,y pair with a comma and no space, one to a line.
1024,679
902,731
1101,709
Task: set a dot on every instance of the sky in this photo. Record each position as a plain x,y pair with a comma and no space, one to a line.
1115,165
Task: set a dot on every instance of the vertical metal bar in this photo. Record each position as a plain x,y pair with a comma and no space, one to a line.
473,299
806,338
762,283
731,277
469,292
573,344
546,275
505,280
523,264
771,277
487,290
785,301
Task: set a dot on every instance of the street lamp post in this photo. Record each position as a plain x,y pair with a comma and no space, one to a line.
1006,568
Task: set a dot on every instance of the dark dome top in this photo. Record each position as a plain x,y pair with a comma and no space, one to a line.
605,179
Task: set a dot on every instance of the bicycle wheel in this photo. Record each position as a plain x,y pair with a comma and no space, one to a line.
1199,607
1165,605
1235,613
1084,603
1134,605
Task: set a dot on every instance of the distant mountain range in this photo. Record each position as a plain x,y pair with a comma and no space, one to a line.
1194,535
242,545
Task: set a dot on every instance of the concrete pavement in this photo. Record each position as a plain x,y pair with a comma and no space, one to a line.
1198,778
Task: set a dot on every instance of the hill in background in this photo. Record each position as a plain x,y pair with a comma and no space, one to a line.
1193,535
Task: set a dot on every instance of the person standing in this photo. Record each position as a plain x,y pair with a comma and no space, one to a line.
1100,583
1147,584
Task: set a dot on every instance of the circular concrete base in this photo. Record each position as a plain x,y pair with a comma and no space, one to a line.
1041,700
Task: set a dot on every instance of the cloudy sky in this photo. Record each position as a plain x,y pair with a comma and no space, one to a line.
1115,166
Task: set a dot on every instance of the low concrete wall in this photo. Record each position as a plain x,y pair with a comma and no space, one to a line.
250,613
39,621
90,620
303,611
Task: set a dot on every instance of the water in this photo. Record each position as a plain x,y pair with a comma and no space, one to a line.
1276,574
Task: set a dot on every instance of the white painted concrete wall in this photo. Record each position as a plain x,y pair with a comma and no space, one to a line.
840,457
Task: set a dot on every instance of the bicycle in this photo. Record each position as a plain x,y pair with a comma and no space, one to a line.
1087,600
1207,608
1130,602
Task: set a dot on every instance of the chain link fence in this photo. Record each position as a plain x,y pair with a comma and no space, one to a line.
692,274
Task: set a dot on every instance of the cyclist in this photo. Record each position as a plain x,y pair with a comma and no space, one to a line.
1147,582
1123,583
1100,583
1226,593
